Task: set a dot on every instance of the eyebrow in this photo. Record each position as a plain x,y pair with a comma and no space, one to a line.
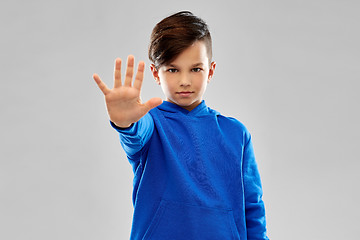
197,65
194,65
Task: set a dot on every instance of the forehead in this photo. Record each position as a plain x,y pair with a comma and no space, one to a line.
194,54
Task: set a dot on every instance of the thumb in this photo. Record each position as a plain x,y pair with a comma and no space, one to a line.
153,102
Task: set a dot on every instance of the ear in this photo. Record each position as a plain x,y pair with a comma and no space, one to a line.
155,73
211,70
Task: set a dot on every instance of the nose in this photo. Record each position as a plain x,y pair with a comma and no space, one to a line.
185,80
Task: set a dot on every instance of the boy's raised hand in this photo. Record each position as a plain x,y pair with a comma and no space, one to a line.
123,102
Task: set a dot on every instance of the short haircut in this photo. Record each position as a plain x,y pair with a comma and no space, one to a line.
174,34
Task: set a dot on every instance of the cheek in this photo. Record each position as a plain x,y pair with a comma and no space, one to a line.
166,86
202,82
168,82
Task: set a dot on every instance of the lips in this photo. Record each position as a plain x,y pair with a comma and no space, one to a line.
184,93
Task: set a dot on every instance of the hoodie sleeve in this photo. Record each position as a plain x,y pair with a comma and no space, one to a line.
254,205
134,138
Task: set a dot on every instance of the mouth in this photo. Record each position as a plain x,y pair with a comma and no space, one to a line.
184,93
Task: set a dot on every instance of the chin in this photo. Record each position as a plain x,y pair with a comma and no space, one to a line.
185,102
189,105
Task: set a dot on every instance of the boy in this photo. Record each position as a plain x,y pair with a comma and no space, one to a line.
195,175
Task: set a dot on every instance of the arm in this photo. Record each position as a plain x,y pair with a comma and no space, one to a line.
134,138
254,206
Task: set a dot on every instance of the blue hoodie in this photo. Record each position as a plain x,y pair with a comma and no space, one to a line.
195,176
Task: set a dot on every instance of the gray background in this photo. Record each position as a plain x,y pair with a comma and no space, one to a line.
289,70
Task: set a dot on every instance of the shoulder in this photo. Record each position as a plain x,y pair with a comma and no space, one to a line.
226,121
233,128
231,121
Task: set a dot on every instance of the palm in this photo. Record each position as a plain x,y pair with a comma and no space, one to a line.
123,101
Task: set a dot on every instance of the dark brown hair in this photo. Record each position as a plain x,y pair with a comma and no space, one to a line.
174,34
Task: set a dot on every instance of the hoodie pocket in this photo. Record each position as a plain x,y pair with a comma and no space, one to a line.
178,221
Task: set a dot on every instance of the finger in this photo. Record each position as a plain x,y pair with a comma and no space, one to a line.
152,103
129,71
139,75
117,73
101,84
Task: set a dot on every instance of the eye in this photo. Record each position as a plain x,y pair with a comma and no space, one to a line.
196,69
172,70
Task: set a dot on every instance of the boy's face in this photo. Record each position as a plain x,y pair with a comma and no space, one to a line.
184,80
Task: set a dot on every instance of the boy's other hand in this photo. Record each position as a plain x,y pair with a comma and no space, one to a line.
123,101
